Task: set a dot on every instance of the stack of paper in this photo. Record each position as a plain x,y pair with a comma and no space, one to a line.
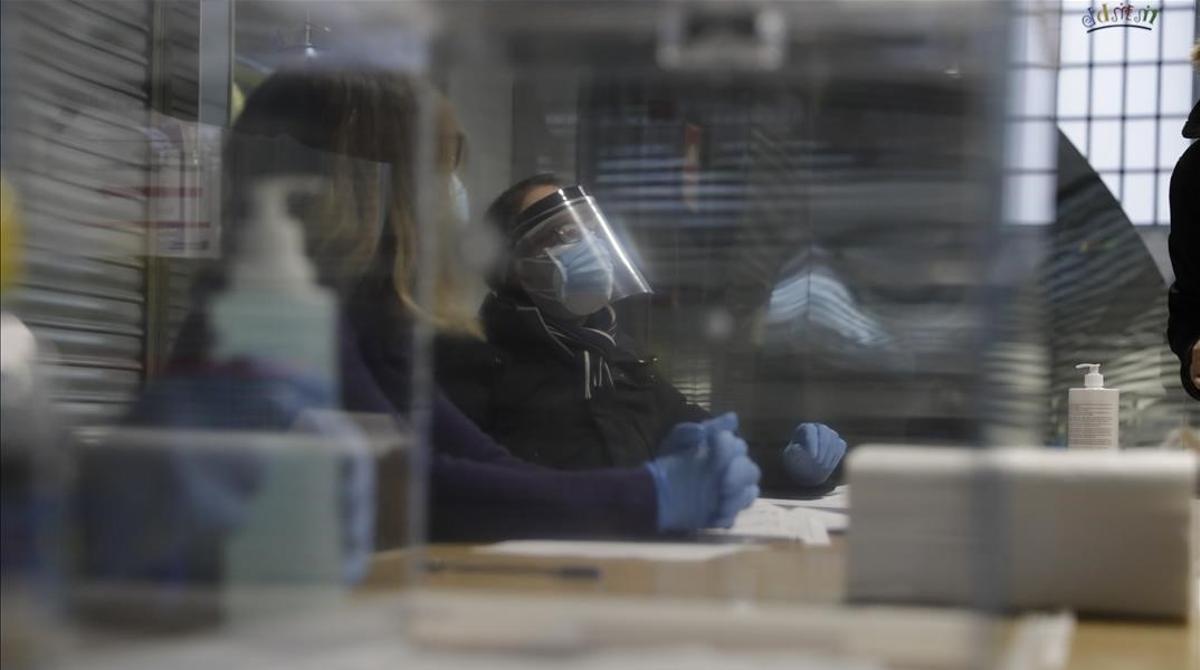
831,510
767,519
837,500
1103,532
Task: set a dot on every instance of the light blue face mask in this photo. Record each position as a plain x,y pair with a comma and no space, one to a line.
460,204
577,276
479,246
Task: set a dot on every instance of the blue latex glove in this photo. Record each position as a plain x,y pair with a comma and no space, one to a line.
703,476
813,454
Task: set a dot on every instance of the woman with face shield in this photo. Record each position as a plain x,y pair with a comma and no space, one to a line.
357,131
567,258
557,382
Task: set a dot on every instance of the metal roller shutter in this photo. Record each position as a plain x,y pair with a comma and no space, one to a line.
180,99
78,93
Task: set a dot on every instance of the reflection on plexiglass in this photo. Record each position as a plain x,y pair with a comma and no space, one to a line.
616,291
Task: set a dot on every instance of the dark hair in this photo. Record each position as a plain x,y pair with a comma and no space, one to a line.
503,214
506,208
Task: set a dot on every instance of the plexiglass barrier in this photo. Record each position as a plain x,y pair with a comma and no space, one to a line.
563,332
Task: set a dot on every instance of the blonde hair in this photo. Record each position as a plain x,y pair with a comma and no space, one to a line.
369,127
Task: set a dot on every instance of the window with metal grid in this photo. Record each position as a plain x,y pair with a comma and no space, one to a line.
1123,97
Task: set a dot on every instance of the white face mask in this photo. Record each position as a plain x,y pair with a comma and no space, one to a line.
460,204
479,245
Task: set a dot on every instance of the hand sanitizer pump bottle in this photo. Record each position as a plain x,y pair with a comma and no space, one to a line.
273,311
287,553
1092,413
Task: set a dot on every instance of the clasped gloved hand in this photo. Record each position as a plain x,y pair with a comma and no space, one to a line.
703,475
813,453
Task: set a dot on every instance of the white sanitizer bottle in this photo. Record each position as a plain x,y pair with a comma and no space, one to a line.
1092,413
273,311
286,555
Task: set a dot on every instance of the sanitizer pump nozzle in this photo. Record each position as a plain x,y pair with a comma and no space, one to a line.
1093,379
271,249
273,311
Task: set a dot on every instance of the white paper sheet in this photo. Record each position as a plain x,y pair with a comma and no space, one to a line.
837,500
834,522
766,520
646,551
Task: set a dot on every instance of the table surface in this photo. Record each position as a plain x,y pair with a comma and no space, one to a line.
774,574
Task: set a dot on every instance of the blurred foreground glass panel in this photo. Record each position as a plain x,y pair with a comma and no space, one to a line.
540,333
813,194
185,444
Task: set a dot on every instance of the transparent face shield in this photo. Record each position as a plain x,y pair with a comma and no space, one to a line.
568,255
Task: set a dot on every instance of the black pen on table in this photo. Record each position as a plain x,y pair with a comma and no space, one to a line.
560,571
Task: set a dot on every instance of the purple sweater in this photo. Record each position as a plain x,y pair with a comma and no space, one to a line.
478,490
